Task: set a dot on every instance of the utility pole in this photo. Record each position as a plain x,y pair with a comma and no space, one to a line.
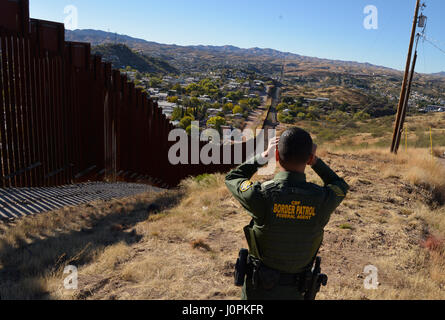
399,124
405,104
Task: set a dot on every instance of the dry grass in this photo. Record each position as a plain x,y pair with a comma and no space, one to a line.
400,223
186,250
429,173
35,250
416,166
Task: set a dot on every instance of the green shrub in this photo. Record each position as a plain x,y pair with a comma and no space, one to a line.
205,179
346,226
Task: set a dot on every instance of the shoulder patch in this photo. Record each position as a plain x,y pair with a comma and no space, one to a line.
245,186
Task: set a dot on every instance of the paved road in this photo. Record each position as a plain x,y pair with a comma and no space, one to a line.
19,202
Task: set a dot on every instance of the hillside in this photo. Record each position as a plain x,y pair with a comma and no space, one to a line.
202,58
182,244
122,56
359,84
97,37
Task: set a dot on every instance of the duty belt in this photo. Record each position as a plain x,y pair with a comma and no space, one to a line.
285,279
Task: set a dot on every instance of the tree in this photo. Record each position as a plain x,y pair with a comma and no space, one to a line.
228,107
189,129
300,101
361,115
178,88
338,116
254,102
282,106
288,100
177,114
244,103
186,102
208,87
186,122
285,118
237,109
313,113
155,82
173,99
194,102
235,95
216,123
216,105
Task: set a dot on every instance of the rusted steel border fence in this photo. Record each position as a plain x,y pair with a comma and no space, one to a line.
67,117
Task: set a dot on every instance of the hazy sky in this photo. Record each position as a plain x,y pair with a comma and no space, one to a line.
320,28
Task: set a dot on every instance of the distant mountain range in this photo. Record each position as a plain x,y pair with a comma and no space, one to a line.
97,37
440,74
205,58
174,58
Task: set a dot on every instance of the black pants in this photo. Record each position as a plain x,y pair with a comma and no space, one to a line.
277,293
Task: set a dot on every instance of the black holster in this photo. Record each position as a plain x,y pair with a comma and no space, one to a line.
262,275
241,267
314,280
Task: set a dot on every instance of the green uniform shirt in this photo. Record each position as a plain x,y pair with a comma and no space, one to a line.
289,214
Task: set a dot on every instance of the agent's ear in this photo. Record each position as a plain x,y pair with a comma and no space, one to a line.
311,159
277,155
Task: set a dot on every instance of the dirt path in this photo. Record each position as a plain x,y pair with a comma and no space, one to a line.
254,119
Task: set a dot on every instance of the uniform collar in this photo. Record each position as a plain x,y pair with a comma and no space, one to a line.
291,177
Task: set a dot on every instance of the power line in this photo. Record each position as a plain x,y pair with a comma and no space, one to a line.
436,41
433,44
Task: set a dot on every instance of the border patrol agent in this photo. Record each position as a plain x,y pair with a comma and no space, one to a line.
289,216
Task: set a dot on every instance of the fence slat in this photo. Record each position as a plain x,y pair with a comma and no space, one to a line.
10,169
36,119
62,125
3,142
60,164
66,116
46,123
69,119
28,123
19,104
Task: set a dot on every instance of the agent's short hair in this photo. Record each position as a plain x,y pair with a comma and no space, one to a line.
295,146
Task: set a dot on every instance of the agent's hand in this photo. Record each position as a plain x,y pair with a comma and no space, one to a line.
273,143
313,159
